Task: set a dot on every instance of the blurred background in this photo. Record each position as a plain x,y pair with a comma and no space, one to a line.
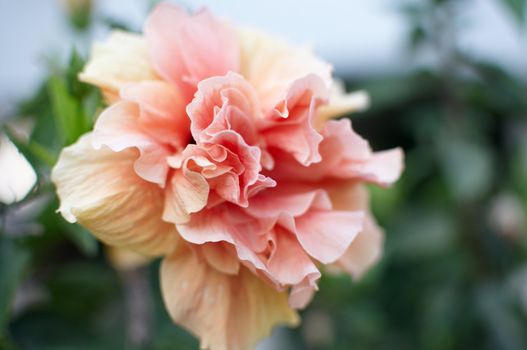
448,82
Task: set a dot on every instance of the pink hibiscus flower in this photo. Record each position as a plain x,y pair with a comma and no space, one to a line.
218,152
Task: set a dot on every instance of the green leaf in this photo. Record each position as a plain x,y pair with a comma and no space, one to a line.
75,66
13,263
67,112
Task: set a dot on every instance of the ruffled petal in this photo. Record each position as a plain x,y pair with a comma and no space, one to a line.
186,49
162,112
120,60
100,190
227,223
226,312
345,155
187,193
223,113
289,264
288,127
324,233
119,128
224,103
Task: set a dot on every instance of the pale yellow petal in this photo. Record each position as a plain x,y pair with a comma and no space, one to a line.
121,59
100,190
271,65
125,259
340,103
226,312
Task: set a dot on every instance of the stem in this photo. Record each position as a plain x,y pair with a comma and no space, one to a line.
138,303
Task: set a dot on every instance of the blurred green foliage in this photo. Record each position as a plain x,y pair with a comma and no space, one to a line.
517,8
453,275
79,13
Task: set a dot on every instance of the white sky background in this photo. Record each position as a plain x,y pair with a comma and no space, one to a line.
359,37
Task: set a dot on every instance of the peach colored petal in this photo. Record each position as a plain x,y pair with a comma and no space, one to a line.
272,65
226,312
345,155
283,263
100,190
366,249
352,157
121,59
152,118
221,256
302,293
279,237
186,49
151,164
162,112
226,223
119,128
325,235
285,201
187,193
289,128
384,167
288,263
